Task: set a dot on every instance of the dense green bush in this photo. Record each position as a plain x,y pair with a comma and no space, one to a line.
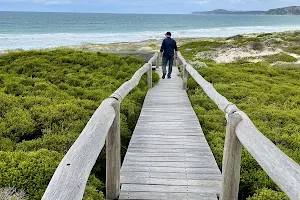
46,98
267,194
30,171
270,96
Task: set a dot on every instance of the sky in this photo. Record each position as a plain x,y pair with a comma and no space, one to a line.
140,6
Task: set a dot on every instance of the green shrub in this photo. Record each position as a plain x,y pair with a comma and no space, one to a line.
267,194
13,88
270,96
294,49
29,171
46,99
18,125
283,57
257,46
265,34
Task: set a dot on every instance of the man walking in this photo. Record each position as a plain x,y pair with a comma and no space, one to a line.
167,53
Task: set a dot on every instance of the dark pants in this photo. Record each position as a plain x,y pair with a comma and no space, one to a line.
165,60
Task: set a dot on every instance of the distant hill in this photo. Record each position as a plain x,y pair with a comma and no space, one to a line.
225,12
292,10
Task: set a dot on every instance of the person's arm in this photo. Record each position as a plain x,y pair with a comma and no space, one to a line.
176,50
162,48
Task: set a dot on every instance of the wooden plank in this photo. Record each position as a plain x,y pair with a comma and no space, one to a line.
168,159
170,182
161,150
166,196
167,154
170,189
167,146
169,175
150,169
172,164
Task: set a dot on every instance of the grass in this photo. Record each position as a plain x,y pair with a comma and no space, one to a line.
283,57
46,98
271,98
189,49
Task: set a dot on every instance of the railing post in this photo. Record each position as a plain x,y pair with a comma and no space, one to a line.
113,157
150,75
231,160
185,77
157,62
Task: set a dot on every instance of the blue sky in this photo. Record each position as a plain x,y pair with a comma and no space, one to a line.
140,6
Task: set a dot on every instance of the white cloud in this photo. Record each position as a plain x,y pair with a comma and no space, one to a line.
52,2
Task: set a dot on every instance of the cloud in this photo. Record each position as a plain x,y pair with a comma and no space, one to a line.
200,1
52,2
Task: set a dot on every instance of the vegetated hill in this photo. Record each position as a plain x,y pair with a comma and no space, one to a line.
292,10
46,98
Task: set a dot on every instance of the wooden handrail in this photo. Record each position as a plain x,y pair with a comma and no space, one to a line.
284,171
70,178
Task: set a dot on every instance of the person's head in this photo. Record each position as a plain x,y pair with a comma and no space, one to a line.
168,34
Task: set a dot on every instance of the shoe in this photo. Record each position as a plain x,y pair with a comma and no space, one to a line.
164,76
169,77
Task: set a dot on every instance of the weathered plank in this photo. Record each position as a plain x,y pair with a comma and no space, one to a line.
169,181
170,188
166,196
170,170
174,175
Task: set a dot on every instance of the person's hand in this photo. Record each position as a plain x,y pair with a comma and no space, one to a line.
160,54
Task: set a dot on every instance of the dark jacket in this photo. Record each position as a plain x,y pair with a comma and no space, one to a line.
168,46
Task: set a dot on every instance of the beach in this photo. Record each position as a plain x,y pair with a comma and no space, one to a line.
25,30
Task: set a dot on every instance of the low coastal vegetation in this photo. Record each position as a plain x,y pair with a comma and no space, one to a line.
46,98
269,94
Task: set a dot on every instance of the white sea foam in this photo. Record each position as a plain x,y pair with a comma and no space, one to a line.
40,41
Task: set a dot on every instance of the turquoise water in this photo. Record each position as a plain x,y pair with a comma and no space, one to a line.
46,30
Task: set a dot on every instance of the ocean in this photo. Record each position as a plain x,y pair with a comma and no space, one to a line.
34,30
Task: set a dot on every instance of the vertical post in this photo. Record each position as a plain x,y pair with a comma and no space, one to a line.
231,160
150,75
157,62
113,157
185,77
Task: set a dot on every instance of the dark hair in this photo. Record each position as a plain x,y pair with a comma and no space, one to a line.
168,33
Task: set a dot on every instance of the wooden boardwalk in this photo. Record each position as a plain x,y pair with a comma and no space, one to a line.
168,156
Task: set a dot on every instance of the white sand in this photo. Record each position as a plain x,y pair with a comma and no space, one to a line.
230,54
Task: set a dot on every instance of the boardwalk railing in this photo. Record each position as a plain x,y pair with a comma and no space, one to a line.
70,178
240,132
